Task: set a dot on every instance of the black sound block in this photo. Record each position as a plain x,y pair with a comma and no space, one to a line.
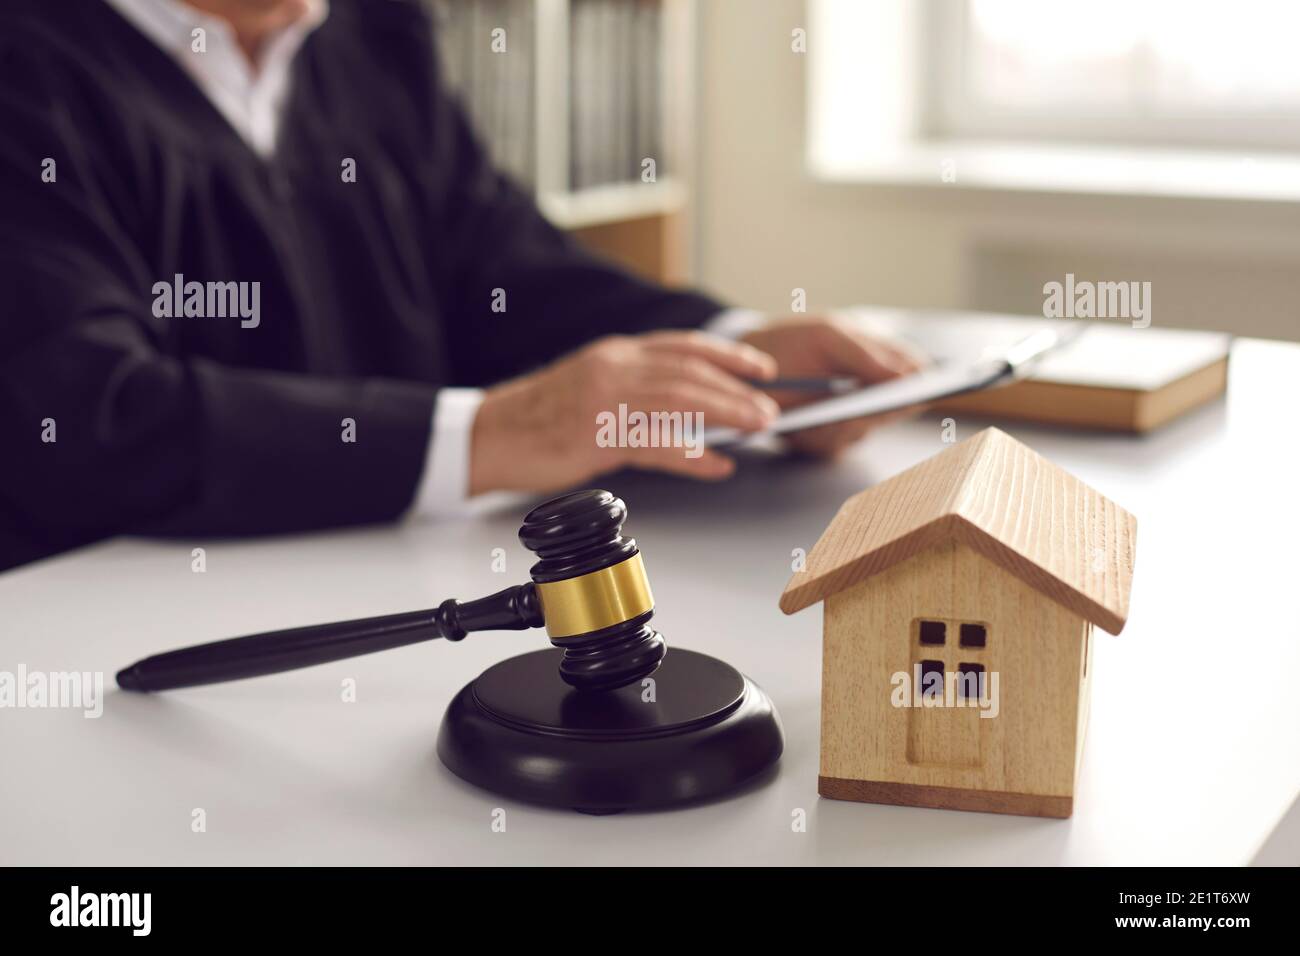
701,730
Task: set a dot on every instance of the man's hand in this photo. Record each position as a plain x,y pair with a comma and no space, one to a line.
539,432
808,347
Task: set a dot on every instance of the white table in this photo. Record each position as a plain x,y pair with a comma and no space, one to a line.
1193,751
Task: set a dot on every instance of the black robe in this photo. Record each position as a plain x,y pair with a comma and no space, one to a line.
373,293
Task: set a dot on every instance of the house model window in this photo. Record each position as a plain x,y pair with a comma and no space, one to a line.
970,681
933,632
968,675
932,677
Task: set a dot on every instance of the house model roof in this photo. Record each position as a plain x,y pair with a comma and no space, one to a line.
999,498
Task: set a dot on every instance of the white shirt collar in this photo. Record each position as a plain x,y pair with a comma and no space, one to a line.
252,101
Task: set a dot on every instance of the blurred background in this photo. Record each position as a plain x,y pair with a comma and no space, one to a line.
953,154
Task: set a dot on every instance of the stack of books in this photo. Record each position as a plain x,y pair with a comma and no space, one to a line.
615,103
615,91
489,52
1112,377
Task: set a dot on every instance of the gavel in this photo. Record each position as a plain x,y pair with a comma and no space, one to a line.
589,590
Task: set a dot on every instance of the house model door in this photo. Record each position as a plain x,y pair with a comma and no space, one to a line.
949,659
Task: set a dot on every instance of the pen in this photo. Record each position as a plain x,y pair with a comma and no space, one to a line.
835,386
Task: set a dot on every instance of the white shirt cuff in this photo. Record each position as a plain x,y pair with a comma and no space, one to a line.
733,323
444,484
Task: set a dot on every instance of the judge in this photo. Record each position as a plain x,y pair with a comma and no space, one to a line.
258,276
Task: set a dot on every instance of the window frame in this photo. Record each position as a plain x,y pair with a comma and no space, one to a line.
976,656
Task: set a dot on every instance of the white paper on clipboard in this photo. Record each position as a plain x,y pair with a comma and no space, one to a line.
919,388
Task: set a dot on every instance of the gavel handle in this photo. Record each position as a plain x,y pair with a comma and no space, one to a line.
514,609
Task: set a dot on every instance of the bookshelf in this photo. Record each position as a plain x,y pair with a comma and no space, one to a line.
572,98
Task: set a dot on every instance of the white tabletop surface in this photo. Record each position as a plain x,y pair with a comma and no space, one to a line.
1193,751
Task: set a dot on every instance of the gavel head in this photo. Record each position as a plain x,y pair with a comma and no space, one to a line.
593,591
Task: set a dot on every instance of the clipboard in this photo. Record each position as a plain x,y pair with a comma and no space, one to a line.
944,380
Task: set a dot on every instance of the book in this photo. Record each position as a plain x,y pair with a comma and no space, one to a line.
497,84
615,74
1112,376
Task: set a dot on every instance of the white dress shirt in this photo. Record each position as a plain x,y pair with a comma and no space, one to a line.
253,99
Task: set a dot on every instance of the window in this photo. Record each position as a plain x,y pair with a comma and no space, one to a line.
968,677
1178,72
970,681
933,632
931,677
897,86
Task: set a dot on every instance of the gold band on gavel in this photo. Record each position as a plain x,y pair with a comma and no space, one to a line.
596,600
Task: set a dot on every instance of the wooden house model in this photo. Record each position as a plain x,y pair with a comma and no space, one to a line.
961,597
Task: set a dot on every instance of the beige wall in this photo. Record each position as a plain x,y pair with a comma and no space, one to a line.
764,228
